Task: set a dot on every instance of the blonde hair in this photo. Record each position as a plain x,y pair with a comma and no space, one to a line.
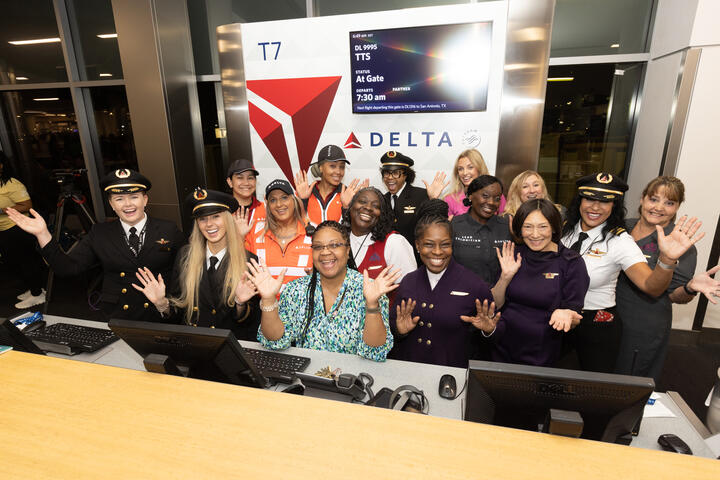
514,199
192,267
477,160
270,222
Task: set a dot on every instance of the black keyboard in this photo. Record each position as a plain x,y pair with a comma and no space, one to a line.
71,339
277,366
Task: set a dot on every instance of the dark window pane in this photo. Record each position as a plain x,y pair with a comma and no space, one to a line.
96,48
112,120
43,130
589,27
30,20
214,171
205,16
587,123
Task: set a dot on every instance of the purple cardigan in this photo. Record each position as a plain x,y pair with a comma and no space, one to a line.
545,282
439,337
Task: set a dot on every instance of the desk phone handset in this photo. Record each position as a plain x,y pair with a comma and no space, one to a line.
344,383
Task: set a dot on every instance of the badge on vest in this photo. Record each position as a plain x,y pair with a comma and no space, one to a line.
459,294
550,276
596,253
410,209
374,267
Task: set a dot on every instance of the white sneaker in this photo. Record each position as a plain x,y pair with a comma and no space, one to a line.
31,301
24,295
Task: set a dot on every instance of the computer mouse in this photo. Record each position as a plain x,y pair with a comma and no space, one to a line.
447,387
673,443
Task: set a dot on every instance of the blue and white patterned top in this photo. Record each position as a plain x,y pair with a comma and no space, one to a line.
341,332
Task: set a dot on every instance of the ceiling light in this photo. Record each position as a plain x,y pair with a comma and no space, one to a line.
48,99
33,42
106,74
107,35
560,79
21,78
615,45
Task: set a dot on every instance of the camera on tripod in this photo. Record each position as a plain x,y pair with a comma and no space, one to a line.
64,176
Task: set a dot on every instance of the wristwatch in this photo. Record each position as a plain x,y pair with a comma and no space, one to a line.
688,291
664,265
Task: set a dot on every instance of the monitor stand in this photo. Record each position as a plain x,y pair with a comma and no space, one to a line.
158,363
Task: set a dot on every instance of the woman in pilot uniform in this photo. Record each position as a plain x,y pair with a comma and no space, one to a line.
426,314
595,228
209,288
133,241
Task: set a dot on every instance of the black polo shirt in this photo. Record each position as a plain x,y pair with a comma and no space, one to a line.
474,244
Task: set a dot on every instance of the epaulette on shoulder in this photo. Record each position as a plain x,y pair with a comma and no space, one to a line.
617,230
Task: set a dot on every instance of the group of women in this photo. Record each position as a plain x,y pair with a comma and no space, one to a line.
409,275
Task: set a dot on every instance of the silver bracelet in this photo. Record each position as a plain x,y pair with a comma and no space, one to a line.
664,265
268,308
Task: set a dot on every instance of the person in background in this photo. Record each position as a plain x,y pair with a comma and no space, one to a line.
425,317
17,248
528,185
373,243
209,287
540,292
134,241
327,198
402,196
283,242
595,228
469,165
647,319
478,232
336,308
242,180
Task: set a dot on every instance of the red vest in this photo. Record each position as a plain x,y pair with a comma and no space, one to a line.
374,260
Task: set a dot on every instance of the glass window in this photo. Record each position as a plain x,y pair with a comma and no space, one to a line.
589,27
206,15
338,7
587,125
44,140
30,49
212,135
93,30
112,121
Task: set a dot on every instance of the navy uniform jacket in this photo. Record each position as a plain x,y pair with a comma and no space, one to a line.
406,210
212,311
105,245
439,337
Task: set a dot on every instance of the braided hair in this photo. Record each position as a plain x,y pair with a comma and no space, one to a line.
432,212
310,308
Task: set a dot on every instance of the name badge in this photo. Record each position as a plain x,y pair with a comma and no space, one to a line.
550,276
596,253
459,294
375,267
409,210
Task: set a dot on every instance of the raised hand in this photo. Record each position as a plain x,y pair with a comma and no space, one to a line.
241,217
404,321
267,286
509,263
682,237
486,318
705,284
349,191
302,187
435,189
564,319
244,290
384,283
34,225
152,288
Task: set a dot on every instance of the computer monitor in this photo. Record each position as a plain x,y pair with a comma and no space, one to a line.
206,353
11,336
520,396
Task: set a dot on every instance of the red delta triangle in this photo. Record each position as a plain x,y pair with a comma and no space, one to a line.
271,133
307,101
352,141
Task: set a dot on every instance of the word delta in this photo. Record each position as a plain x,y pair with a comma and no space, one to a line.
414,139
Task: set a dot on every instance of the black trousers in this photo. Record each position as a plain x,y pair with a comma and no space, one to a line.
597,343
19,253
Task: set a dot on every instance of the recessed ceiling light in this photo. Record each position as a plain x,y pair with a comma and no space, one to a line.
21,78
615,45
107,35
48,99
560,79
106,74
37,40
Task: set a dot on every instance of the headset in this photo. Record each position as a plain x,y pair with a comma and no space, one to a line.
409,399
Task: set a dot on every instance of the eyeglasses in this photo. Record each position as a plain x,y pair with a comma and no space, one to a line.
329,246
392,173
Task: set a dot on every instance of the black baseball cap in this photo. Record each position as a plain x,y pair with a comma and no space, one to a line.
331,153
239,166
279,184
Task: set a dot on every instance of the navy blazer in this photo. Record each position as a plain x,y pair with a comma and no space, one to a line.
407,208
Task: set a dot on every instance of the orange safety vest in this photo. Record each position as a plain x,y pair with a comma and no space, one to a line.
318,210
296,257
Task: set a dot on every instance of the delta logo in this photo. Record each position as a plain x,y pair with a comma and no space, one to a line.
307,101
402,139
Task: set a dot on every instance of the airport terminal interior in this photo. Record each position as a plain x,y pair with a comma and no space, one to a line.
627,92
